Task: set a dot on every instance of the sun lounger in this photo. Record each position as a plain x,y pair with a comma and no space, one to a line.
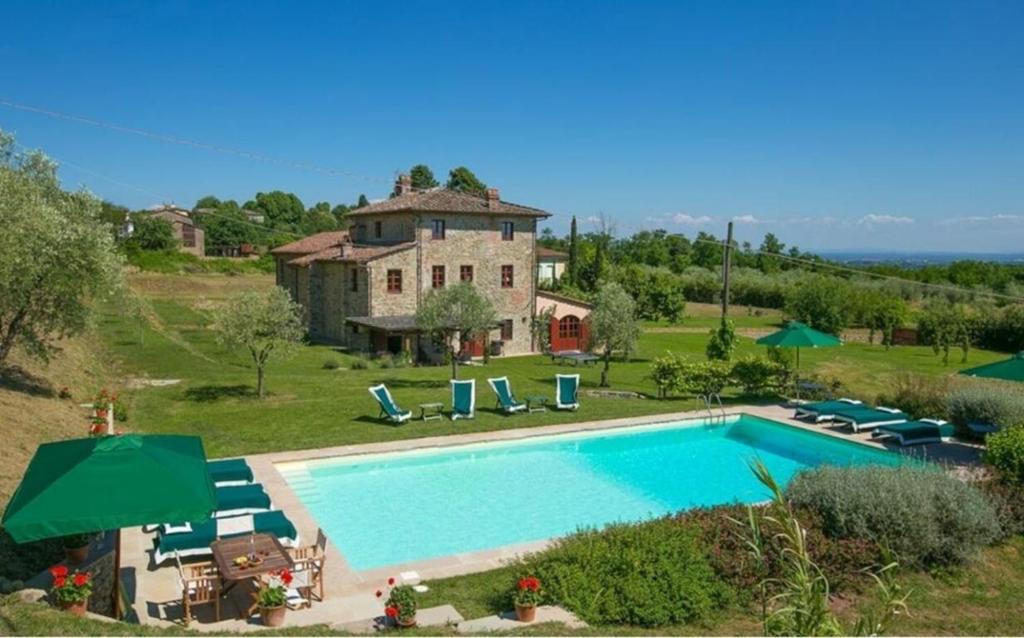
567,390
865,418
917,432
506,401
463,398
197,542
233,500
823,410
229,472
387,405
983,429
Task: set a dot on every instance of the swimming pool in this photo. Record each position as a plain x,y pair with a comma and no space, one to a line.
395,508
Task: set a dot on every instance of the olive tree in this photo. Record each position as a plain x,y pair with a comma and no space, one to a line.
455,311
263,323
55,255
613,324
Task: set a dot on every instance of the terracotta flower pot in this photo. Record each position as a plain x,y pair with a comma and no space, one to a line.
77,609
273,616
76,555
526,613
407,624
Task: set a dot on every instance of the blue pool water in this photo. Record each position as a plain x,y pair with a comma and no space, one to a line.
408,506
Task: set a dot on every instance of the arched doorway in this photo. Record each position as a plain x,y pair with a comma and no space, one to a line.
568,333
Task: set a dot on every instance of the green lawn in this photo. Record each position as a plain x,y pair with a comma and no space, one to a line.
310,406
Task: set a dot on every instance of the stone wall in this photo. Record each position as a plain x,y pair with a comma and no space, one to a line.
395,228
386,304
336,302
475,240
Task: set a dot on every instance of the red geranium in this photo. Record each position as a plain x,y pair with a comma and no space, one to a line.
81,579
75,589
286,577
391,612
379,593
391,581
527,592
58,571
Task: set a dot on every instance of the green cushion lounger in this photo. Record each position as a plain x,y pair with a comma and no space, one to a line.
865,418
229,472
823,410
917,432
463,398
506,401
197,542
387,405
233,500
567,390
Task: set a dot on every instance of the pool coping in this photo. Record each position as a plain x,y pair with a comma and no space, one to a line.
348,579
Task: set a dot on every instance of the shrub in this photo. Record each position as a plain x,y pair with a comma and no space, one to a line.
332,364
360,364
923,515
667,372
920,396
986,404
841,559
1005,451
722,343
649,574
706,377
1008,501
758,376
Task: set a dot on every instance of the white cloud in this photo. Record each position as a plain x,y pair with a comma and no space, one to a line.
747,219
685,219
884,219
593,219
983,219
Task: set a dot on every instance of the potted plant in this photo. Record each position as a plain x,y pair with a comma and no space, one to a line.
71,591
272,596
527,596
76,548
400,607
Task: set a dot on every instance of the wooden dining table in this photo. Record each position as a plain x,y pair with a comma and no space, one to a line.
271,554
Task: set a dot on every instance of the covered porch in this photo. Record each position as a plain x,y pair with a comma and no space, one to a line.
392,334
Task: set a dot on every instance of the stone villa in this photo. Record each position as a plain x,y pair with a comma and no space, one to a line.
361,288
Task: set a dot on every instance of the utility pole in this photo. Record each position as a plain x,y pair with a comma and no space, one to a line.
726,267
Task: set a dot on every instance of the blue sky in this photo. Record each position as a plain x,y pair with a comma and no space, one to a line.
836,125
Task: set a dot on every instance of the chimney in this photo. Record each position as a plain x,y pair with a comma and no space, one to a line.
492,198
403,185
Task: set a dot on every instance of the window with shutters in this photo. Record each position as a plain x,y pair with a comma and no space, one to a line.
507,279
394,281
437,277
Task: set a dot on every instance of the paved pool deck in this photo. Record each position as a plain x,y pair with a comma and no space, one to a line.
349,594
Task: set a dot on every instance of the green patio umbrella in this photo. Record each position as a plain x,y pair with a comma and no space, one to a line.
1011,369
87,485
798,335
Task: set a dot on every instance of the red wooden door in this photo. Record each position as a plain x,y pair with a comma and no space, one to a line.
568,333
475,347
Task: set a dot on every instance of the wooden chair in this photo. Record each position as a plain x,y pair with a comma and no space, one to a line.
200,585
308,573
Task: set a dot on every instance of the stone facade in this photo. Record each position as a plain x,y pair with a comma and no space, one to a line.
417,237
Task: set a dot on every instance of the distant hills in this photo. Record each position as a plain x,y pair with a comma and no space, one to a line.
917,259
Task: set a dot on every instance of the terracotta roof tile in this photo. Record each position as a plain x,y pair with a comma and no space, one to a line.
543,251
442,200
313,243
350,253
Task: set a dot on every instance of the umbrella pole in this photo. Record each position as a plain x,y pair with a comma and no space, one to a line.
797,378
117,574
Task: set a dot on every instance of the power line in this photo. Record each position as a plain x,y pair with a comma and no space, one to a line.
171,139
868,273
